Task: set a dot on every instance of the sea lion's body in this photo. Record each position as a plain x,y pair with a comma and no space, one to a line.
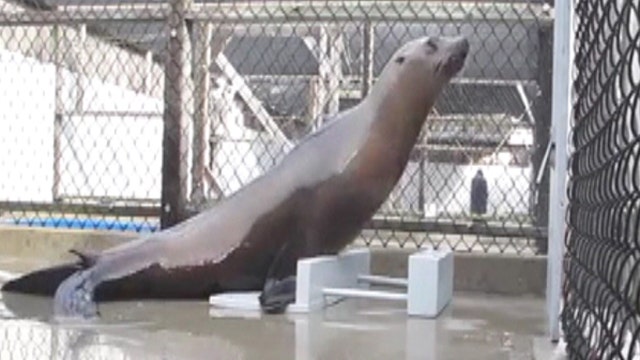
315,201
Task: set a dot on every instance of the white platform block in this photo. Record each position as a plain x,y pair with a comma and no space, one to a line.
313,275
323,280
316,274
430,286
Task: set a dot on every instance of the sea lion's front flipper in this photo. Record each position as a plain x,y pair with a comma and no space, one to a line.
74,297
280,287
278,294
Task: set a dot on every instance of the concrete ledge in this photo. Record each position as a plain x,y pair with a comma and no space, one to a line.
489,273
52,245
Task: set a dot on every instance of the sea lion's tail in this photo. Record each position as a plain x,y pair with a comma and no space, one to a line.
42,282
46,281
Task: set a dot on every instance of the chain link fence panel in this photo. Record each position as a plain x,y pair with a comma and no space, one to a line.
601,314
128,115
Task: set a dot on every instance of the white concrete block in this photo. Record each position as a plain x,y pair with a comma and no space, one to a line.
430,282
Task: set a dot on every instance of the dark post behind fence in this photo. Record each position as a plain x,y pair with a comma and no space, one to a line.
174,143
541,135
201,121
367,56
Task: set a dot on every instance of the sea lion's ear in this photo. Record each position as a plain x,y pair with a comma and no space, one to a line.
400,59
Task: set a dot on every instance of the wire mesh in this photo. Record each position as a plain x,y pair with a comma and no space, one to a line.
123,115
602,266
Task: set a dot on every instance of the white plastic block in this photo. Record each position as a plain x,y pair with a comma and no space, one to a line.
315,274
430,282
365,294
244,301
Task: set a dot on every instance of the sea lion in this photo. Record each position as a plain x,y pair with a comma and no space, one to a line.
314,202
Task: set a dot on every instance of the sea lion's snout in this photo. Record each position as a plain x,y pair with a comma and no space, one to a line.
458,49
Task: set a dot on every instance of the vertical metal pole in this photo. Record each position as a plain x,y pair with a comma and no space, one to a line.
201,121
318,92
148,73
562,66
59,108
421,179
542,133
367,54
79,63
335,48
174,145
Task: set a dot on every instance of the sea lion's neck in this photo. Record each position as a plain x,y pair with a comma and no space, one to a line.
397,118
401,113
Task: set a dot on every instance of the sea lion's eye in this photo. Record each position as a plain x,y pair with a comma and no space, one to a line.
432,44
400,59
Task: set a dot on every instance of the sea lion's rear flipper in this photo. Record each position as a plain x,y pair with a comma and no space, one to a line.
74,297
280,287
46,281
41,282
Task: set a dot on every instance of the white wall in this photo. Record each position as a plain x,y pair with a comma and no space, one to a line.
101,155
112,156
26,128
104,155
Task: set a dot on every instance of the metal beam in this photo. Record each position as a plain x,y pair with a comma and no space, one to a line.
350,11
175,145
73,14
201,60
462,227
251,100
142,210
278,12
562,66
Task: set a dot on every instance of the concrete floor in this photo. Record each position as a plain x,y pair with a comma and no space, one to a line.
474,326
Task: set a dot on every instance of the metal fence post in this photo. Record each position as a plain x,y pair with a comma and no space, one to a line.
59,110
562,66
367,56
542,126
201,120
174,145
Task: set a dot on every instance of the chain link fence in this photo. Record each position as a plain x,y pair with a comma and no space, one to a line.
601,315
131,115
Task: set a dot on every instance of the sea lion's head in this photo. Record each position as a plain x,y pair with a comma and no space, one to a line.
422,67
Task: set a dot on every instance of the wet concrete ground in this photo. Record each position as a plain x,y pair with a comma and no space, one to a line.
474,326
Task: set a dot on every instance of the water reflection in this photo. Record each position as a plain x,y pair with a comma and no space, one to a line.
28,330
473,328
191,330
